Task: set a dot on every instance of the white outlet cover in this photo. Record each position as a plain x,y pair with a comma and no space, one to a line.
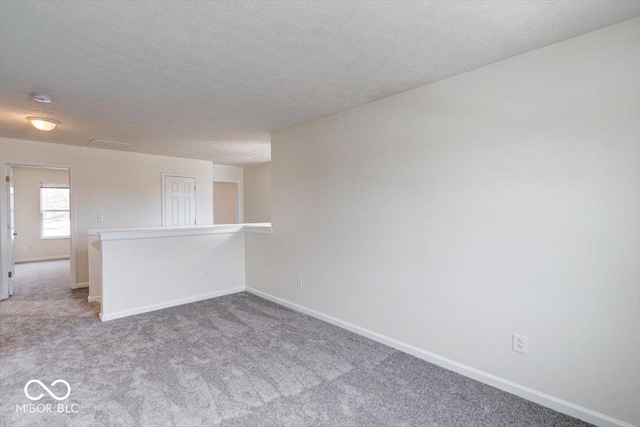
519,343
300,282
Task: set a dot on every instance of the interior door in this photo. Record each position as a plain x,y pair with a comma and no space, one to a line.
179,201
11,228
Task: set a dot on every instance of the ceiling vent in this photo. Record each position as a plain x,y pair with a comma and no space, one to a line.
109,145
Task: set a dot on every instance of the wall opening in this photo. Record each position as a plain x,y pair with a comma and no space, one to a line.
226,202
39,202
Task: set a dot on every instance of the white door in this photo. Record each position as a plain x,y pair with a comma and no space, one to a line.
11,228
179,201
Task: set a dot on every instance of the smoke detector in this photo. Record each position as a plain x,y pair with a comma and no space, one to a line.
41,97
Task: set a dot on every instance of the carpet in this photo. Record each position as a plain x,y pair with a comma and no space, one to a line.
236,360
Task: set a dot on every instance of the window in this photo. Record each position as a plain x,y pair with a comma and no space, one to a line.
54,206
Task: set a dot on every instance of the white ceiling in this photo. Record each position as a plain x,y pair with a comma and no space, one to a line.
212,80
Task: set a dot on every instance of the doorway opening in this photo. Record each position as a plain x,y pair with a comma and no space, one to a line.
226,202
38,250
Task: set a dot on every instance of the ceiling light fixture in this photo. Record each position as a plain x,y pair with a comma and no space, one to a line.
41,97
42,123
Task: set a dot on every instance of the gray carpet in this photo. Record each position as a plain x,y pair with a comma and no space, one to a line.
233,361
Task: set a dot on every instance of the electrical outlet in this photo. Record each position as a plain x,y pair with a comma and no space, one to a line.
300,282
100,218
206,274
519,343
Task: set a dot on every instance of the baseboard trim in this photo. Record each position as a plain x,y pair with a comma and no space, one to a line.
96,298
80,285
44,258
168,304
527,393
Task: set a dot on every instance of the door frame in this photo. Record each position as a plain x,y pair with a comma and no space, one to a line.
164,205
5,250
11,236
240,202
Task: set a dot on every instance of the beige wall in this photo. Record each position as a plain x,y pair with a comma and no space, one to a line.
502,200
225,202
227,173
124,187
29,246
257,193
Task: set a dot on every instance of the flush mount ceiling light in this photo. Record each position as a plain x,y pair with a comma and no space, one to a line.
41,97
42,123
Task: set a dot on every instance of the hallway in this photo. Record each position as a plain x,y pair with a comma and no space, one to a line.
43,287
42,303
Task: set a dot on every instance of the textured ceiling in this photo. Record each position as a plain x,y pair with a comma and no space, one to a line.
212,80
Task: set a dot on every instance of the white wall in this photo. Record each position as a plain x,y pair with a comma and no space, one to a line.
29,245
502,200
257,193
124,187
227,173
145,274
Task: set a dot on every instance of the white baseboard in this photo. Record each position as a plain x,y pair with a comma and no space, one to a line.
96,298
80,285
527,393
44,258
160,306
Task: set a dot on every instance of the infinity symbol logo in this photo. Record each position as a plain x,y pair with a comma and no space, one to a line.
26,392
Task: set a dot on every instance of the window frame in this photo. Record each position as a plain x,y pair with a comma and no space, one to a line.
42,211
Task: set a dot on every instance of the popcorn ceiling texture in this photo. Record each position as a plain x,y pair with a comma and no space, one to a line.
212,80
